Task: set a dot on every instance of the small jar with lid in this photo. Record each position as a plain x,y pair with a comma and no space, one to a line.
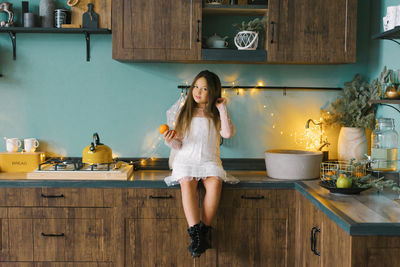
384,143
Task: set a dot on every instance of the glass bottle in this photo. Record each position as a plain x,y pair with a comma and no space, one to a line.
384,143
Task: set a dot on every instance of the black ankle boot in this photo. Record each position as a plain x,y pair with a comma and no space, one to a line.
197,242
206,233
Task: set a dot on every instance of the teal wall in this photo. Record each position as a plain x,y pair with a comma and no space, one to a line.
383,53
50,92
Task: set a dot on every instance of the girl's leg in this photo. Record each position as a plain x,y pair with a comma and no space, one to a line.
213,186
190,201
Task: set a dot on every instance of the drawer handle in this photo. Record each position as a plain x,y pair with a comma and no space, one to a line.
272,31
51,196
198,31
56,235
257,197
161,197
314,232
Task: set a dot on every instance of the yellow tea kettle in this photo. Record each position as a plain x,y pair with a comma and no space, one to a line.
96,152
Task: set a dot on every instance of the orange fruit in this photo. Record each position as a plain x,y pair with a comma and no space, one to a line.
359,174
163,128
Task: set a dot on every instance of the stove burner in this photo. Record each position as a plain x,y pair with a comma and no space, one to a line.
63,163
72,164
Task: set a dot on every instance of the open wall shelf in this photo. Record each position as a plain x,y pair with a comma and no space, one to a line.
385,101
12,31
389,35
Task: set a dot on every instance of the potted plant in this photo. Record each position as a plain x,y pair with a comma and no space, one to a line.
248,35
354,112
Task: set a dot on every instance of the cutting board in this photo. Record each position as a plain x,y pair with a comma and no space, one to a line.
121,174
101,7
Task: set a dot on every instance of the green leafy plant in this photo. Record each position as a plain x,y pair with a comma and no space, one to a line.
253,25
352,108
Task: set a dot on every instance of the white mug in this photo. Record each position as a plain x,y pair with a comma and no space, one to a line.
397,21
391,16
12,144
30,144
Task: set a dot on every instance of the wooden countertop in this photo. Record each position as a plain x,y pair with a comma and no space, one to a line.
369,213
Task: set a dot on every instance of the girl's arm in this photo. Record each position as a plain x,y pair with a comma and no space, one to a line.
227,127
172,140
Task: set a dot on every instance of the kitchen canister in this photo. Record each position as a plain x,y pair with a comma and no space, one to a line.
29,20
384,143
60,17
46,13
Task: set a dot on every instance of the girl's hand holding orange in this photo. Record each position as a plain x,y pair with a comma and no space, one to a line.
168,134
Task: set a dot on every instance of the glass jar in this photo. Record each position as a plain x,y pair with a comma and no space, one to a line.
384,143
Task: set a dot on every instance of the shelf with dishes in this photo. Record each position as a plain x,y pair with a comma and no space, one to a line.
228,21
12,31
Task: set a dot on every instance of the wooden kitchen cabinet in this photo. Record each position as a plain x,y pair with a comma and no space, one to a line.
53,234
155,229
312,31
156,30
332,245
255,227
335,246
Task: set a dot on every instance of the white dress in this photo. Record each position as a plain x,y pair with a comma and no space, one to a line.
199,156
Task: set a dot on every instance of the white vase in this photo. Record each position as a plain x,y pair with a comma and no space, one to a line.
246,40
352,143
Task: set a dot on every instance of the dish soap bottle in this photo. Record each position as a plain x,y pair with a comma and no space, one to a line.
384,143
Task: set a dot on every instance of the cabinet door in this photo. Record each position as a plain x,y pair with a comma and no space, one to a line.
81,239
312,31
253,229
156,229
16,243
336,244
156,30
308,217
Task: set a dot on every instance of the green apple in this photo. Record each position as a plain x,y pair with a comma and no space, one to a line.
343,182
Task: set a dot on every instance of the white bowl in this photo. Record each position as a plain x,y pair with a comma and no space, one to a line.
293,164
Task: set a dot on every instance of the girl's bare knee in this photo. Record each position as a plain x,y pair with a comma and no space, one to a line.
188,184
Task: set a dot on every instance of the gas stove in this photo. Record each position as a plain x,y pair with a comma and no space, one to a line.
74,169
75,164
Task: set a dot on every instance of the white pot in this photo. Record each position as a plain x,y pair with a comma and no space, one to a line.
293,164
352,143
246,40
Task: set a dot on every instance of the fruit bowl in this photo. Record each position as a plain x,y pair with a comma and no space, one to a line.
331,186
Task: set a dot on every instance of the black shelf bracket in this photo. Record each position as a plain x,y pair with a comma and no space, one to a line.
389,35
397,42
87,38
13,37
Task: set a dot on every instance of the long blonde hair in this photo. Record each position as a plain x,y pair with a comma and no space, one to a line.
214,92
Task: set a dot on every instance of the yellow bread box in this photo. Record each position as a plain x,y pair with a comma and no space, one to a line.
20,161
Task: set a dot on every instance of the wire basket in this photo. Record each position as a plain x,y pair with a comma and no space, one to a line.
331,170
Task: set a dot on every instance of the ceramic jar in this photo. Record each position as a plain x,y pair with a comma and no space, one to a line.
352,143
46,13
